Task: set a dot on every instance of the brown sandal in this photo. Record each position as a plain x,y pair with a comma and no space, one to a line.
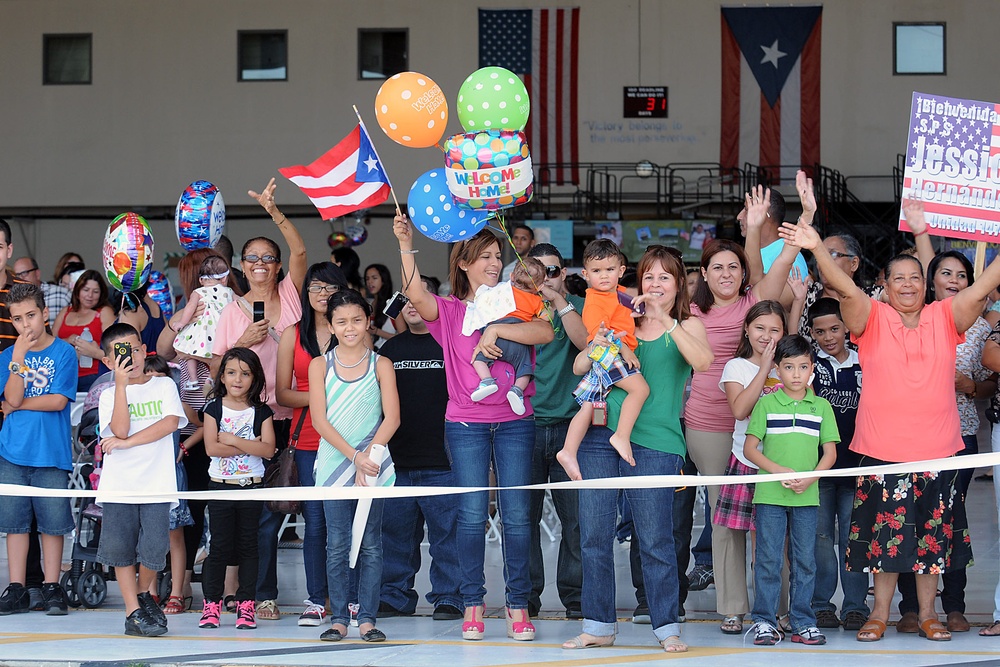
872,627
931,627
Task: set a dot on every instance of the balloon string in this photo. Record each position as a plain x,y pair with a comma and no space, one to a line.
545,304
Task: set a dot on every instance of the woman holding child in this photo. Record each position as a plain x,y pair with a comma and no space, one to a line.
670,344
905,522
477,433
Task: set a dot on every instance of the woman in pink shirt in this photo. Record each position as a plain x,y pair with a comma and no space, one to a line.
905,522
477,433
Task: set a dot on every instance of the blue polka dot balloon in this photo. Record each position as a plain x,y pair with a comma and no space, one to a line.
200,218
435,214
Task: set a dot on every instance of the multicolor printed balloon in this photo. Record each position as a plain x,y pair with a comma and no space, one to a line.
435,214
493,97
339,240
128,252
358,233
159,290
489,170
200,218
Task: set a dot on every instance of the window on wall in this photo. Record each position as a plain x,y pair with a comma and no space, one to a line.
263,55
382,53
66,59
918,48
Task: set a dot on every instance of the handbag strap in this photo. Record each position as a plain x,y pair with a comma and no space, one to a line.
294,440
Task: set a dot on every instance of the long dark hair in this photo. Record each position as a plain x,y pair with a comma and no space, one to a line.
759,309
255,395
703,297
384,292
932,269
325,272
349,263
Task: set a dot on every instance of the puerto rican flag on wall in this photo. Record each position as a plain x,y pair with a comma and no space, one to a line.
346,178
770,87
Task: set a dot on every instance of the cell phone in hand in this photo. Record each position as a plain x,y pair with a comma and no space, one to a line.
625,299
123,353
258,311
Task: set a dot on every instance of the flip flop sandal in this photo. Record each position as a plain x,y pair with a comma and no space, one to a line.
732,625
579,642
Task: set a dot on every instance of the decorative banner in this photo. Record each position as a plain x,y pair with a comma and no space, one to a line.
128,252
200,218
688,236
953,166
968,248
489,170
557,232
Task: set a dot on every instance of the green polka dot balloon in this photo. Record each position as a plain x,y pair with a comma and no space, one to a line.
493,98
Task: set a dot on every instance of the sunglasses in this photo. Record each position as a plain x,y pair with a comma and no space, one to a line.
552,271
267,259
835,254
329,289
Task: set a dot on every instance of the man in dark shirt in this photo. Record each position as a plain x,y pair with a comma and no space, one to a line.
419,455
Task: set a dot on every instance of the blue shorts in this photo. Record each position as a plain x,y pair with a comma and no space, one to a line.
53,515
135,533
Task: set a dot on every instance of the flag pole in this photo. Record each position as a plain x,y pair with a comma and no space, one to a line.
381,164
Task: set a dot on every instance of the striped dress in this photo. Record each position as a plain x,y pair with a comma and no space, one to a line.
354,409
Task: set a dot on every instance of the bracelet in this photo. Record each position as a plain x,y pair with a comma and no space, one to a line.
278,222
408,252
671,329
916,234
568,308
184,450
356,452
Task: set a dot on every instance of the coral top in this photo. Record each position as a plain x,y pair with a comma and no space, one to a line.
605,307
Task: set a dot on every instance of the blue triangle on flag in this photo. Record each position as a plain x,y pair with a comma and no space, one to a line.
369,168
771,40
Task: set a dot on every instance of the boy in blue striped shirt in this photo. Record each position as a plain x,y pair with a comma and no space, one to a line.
792,425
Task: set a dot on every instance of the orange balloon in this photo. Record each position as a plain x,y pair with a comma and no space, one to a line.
411,109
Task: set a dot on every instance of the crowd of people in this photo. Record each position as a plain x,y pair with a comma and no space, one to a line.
745,363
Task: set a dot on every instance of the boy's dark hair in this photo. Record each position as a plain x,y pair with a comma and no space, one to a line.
601,249
5,230
116,331
777,209
630,278
531,232
542,249
792,346
255,394
347,297
823,307
21,292
576,285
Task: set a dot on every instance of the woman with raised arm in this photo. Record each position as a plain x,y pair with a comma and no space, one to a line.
905,522
477,433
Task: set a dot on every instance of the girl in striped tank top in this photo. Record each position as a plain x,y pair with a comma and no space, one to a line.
354,405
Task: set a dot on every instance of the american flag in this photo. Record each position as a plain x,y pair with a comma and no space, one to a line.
770,86
540,45
951,144
346,178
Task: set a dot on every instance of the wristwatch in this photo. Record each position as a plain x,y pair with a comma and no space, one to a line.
567,308
18,369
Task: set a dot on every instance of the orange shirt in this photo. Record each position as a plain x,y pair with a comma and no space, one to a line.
526,305
605,307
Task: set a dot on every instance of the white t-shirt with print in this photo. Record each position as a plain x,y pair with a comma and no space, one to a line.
744,371
240,424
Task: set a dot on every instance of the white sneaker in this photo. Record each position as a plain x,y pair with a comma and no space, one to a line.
516,400
313,615
486,387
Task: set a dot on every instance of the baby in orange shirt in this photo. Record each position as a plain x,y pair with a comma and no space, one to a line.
525,280
602,309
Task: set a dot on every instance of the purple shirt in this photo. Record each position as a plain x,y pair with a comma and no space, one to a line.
462,378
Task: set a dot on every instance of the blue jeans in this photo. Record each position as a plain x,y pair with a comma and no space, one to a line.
403,531
314,537
339,520
836,500
544,467
774,524
652,512
471,448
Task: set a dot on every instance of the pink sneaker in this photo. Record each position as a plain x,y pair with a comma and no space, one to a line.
210,614
246,618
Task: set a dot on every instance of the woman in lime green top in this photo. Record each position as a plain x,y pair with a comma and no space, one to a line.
671,344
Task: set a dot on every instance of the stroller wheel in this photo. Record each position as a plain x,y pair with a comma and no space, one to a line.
69,585
92,588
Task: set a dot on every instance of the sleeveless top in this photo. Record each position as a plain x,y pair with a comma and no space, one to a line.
67,331
151,332
354,409
308,437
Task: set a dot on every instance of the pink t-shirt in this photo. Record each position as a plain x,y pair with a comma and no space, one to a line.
462,378
707,408
907,410
234,321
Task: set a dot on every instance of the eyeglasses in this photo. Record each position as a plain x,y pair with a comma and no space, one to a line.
267,259
24,274
552,271
316,288
837,255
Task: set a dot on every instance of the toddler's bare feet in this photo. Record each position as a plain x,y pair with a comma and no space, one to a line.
623,447
569,464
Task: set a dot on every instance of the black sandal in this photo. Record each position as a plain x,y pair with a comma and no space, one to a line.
229,603
994,627
374,635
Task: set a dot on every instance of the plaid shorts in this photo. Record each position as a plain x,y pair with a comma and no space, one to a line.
596,384
735,507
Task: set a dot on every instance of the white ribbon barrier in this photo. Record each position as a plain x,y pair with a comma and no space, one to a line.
634,482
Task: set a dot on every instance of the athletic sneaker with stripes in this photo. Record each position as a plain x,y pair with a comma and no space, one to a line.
210,614
246,618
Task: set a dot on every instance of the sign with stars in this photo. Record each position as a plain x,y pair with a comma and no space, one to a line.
953,166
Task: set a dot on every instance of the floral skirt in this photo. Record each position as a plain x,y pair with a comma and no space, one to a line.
912,522
735,507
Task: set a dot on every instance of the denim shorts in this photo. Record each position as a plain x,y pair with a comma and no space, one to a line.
52,514
135,533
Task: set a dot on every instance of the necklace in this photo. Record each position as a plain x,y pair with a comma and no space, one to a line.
354,365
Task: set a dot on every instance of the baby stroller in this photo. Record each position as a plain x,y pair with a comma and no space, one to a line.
86,583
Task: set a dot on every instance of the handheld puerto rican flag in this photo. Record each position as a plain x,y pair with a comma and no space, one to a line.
346,178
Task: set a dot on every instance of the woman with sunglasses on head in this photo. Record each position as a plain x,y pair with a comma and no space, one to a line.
299,345
261,263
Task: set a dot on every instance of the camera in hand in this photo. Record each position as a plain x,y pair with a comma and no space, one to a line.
394,306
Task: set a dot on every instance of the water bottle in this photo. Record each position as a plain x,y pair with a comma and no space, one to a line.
85,361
